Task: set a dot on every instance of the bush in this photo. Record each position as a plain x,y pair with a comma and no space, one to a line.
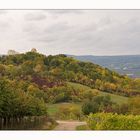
109,121
135,105
89,107
69,113
97,104
60,98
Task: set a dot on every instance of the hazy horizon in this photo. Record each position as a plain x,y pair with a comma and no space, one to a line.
75,54
73,32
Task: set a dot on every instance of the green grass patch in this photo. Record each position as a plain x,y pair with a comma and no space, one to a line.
54,108
116,98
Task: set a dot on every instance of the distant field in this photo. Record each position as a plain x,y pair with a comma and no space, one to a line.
115,98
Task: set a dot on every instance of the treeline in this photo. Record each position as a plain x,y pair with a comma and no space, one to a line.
16,104
51,71
28,123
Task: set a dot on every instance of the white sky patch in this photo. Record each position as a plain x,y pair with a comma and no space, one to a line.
78,32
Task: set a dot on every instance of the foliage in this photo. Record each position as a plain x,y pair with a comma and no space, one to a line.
29,81
62,68
15,103
120,109
116,98
82,127
89,107
134,104
97,104
72,112
65,111
109,121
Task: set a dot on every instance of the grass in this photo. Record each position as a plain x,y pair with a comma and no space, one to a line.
115,98
78,86
82,127
54,108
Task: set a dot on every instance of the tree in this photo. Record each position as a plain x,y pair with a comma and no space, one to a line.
16,104
102,100
2,70
37,93
27,68
89,107
97,104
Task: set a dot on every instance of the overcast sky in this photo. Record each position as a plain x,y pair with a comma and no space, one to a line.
78,32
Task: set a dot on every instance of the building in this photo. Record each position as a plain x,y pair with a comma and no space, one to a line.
12,52
34,50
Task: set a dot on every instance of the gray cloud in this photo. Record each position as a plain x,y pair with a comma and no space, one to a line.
96,32
53,33
35,17
59,27
102,37
3,12
4,26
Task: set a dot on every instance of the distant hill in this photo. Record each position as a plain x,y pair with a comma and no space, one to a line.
124,64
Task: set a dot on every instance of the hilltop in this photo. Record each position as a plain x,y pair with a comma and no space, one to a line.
55,70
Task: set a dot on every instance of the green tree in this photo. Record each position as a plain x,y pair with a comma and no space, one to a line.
89,107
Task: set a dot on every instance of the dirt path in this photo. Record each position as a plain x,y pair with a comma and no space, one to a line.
68,125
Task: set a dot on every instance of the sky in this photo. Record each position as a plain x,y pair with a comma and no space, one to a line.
76,32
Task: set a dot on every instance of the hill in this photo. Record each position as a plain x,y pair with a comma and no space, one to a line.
50,71
33,85
126,65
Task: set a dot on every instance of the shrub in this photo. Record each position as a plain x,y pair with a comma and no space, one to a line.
89,107
69,113
109,121
97,104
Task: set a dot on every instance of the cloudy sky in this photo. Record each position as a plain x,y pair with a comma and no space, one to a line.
78,32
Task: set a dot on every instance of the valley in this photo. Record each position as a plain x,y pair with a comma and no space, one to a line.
123,64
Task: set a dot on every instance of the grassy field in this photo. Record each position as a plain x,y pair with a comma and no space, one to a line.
115,98
53,108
